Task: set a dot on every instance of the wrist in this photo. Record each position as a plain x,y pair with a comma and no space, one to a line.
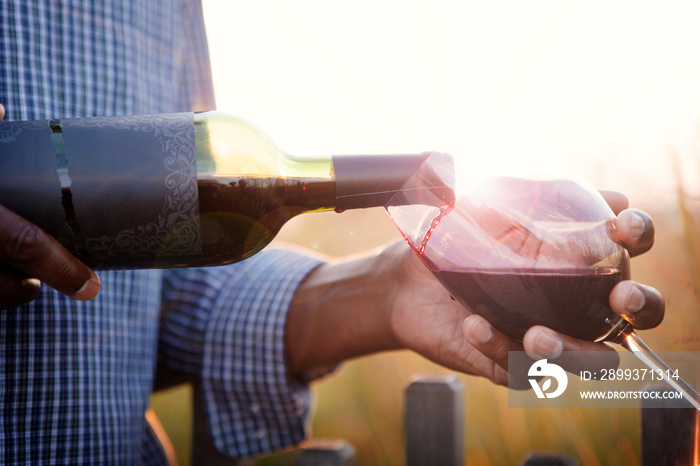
342,310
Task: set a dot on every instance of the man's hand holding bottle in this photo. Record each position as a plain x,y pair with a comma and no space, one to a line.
28,256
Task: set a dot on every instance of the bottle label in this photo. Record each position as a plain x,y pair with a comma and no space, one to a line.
128,185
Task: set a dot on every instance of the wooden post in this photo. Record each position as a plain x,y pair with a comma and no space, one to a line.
549,459
669,433
325,452
434,421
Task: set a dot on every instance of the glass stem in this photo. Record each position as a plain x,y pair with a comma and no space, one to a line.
628,339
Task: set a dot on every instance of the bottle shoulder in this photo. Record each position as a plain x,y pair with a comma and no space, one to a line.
230,146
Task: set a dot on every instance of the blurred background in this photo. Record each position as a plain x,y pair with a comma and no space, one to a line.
611,88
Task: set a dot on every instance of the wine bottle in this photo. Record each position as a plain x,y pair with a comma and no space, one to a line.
184,189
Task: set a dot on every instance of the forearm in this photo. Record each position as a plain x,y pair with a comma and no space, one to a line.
341,311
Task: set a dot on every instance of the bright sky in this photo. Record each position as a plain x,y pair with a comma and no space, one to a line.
600,84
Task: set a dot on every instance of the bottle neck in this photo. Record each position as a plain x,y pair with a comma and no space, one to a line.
313,179
229,149
385,180
361,181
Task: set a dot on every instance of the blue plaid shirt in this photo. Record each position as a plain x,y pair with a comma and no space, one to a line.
75,377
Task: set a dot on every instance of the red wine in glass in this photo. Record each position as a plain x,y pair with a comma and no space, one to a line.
523,252
572,302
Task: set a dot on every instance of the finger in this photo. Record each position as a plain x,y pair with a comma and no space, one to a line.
635,227
640,305
488,341
16,288
617,201
495,346
27,248
571,354
636,230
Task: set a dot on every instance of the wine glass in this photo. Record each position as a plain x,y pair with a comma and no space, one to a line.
527,250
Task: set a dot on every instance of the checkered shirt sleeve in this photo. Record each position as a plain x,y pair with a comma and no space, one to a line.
238,312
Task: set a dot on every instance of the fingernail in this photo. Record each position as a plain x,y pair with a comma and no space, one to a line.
636,225
481,332
635,299
548,344
89,290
